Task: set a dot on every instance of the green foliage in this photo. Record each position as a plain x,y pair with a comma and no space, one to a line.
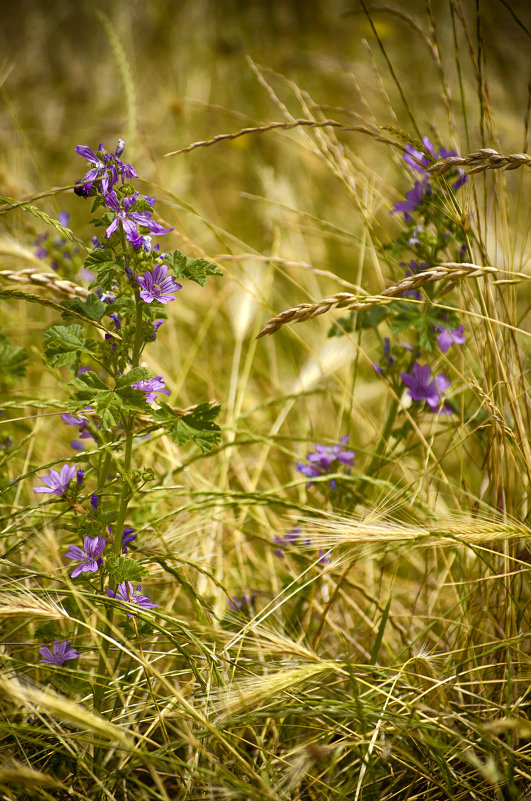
66,344
111,404
102,262
321,689
121,568
92,308
195,269
356,321
198,426
13,360
423,318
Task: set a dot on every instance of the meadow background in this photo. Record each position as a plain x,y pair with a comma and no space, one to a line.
398,666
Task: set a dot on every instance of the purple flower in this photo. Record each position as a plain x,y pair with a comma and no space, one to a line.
103,167
80,475
127,538
324,460
106,166
58,653
130,218
41,251
56,483
462,179
156,325
156,286
422,388
94,501
70,420
413,199
242,604
90,557
419,161
415,267
81,422
387,356
126,592
450,336
152,386
116,321
287,540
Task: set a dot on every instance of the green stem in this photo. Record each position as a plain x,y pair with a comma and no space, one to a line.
389,423
137,343
382,444
126,488
122,511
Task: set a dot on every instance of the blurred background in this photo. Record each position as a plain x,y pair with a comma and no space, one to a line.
288,214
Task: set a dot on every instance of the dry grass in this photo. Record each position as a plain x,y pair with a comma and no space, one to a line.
399,669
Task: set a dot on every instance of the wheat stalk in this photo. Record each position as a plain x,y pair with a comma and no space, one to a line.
481,160
271,126
346,300
53,282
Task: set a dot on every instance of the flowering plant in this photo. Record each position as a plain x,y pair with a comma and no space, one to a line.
431,234
112,394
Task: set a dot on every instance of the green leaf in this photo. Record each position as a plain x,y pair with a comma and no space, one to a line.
367,318
111,404
423,319
134,375
198,426
102,262
91,390
12,360
371,317
195,269
344,325
65,344
123,569
92,308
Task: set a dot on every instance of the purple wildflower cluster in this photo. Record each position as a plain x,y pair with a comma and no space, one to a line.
60,253
128,274
106,170
326,459
431,236
132,215
419,161
103,176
